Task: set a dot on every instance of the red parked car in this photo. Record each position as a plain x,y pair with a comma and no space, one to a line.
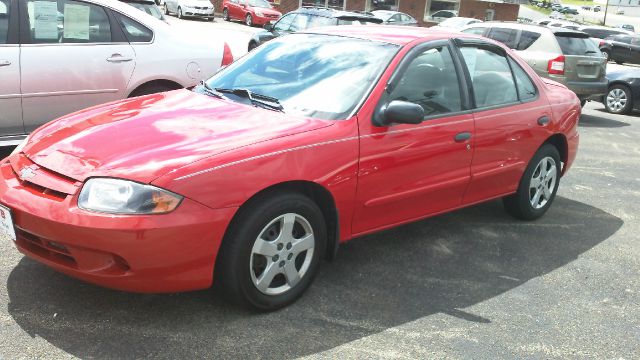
315,138
252,12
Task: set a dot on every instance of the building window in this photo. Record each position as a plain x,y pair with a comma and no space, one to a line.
334,4
440,10
382,5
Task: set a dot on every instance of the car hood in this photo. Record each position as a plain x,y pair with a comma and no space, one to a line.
193,3
143,138
266,10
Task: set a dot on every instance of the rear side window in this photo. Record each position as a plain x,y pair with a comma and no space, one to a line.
133,30
526,89
66,21
491,77
622,38
527,38
577,45
4,21
600,33
505,36
317,21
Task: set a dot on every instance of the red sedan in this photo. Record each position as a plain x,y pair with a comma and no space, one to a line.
252,12
315,138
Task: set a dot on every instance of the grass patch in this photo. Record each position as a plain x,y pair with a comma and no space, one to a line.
578,3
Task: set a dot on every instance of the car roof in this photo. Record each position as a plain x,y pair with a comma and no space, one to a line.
399,35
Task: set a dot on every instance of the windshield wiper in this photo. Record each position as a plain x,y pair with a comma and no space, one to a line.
209,91
268,102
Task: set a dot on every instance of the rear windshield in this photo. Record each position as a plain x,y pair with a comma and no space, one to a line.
577,45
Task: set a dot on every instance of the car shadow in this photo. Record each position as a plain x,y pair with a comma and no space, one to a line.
595,121
440,265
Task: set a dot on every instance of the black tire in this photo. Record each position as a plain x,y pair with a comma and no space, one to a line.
619,62
248,20
225,14
618,93
607,54
519,205
180,16
252,45
166,9
235,261
151,89
583,102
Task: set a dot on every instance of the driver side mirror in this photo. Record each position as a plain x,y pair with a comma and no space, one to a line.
399,112
268,26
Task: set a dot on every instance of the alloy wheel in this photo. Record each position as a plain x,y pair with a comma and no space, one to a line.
282,254
543,182
249,20
616,100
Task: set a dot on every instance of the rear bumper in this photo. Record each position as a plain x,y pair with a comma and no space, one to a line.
153,253
586,89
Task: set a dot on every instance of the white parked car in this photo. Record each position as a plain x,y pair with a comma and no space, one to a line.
190,8
76,54
458,22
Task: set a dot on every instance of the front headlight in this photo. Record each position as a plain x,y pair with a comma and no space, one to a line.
117,196
259,13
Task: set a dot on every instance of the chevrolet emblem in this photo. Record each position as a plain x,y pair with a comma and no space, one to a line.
27,173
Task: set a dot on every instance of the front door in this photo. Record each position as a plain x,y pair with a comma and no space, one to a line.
70,60
10,102
411,171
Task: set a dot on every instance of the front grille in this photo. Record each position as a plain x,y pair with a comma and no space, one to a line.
201,7
47,249
40,190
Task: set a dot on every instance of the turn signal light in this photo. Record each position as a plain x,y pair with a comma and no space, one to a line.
556,66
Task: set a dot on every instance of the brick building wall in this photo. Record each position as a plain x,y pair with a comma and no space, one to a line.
416,8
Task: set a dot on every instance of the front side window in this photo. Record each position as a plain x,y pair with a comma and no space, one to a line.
133,30
284,24
490,75
67,21
310,75
4,21
474,30
317,21
300,22
430,81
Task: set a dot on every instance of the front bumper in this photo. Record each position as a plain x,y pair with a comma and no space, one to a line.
193,12
262,20
151,253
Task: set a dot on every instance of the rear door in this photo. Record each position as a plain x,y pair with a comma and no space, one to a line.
10,101
73,56
583,60
621,48
635,50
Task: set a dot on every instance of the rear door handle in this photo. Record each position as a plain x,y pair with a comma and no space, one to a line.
117,58
5,62
543,121
463,136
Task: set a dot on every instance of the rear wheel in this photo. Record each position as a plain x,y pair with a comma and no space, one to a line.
606,54
538,185
248,20
180,16
166,9
272,251
225,14
252,45
152,89
618,100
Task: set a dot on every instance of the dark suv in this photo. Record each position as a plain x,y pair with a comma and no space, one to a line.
622,48
310,17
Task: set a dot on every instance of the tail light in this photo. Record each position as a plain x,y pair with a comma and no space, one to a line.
227,56
556,66
602,42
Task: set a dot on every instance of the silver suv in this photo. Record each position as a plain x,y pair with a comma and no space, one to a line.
564,55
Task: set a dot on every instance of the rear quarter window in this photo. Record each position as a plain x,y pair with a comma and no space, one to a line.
527,38
577,46
504,35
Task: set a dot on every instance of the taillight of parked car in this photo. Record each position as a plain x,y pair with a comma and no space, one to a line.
556,66
227,56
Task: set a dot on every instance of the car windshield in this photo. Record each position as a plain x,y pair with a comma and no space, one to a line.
150,9
260,4
312,75
571,45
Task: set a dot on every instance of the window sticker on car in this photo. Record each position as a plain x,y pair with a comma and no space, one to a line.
45,17
76,21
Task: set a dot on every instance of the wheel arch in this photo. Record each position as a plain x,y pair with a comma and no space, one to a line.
559,141
318,194
169,84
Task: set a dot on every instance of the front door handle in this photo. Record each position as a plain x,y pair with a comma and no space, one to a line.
5,62
117,58
543,121
463,136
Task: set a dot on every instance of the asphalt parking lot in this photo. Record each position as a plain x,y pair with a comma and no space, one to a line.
471,284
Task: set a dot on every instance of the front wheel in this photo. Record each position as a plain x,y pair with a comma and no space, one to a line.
248,20
252,45
225,15
180,16
606,54
618,100
272,251
538,185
